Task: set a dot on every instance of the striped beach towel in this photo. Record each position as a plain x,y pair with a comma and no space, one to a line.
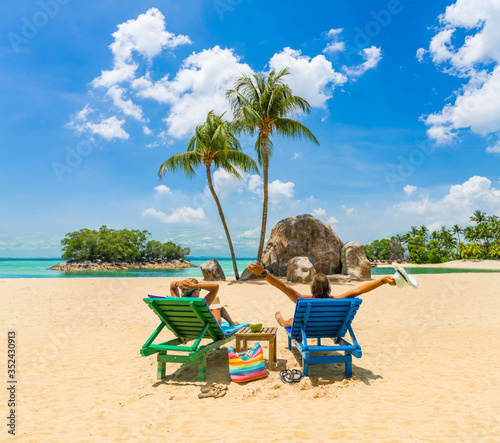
248,365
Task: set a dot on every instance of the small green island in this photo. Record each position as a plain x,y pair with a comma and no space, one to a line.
109,249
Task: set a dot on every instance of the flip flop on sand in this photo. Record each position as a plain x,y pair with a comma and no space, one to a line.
215,391
296,375
206,389
286,376
218,386
292,376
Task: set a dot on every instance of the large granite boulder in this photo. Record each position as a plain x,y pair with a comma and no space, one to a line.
354,261
302,236
212,271
339,278
246,275
300,270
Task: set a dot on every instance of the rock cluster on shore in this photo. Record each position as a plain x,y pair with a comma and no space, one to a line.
301,246
99,265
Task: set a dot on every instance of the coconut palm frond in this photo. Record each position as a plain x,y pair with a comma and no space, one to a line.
293,129
184,161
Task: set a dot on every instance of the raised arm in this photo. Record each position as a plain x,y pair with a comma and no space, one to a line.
367,287
257,269
212,288
174,289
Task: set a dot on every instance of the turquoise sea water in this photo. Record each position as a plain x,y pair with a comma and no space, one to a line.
38,268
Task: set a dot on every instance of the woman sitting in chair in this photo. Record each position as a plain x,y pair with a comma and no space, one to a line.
320,288
191,288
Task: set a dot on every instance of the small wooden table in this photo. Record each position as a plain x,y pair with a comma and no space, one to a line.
267,334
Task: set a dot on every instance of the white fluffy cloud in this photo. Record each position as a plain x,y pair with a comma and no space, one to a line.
420,54
495,149
255,184
163,190
456,206
319,212
147,36
311,78
251,233
277,190
82,115
198,87
347,210
201,83
108,129
226,183
409,189
372,56
335,45
127,106
184,215
477,103
332,220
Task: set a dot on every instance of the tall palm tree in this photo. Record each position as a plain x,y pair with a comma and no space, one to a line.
424,231
261,106
457,230
413,232
494,224
471,234
478,217
462,250
495,250
213,143
475,250
483,230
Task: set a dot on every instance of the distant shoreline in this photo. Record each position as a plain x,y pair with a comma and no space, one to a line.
99,265
454,264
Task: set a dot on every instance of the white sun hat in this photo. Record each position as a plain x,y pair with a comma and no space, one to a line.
402,278
216,304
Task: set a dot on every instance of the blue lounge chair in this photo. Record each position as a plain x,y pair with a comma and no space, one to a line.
317,318
189,319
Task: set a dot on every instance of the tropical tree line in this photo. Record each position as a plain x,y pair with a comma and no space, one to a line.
260,105
480,240
117,245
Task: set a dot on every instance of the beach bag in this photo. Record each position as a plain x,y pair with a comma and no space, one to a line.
247,365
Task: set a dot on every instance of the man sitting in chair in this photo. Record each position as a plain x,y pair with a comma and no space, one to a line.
191,288
320,288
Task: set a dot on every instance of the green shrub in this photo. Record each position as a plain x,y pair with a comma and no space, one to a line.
117,245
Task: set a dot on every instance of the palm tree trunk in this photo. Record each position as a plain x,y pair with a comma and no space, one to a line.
264,205
221,214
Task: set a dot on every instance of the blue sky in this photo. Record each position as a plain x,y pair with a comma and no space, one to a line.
96,96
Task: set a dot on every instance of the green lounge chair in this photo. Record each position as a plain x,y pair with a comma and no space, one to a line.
189,319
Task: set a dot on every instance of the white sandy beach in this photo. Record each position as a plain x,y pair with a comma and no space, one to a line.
429,371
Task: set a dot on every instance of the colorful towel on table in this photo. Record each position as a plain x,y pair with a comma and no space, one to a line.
224,325
248,365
